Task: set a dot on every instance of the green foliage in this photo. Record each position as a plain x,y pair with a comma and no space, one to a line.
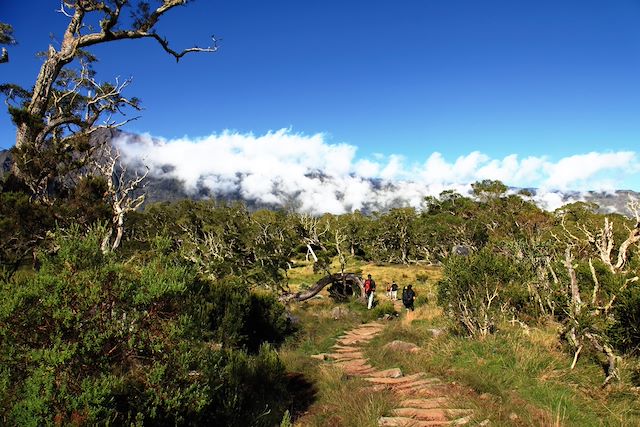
383,308
488,189
253,390
286,420
240,318
89,339
223,240
6,34
23,224
422,277
421,299
513,371
474,290
27,222
625,330
394,236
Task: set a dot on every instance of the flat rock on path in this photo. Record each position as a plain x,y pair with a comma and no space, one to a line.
398,345
409,422
424,399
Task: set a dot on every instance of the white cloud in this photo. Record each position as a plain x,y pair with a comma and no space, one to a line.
583,169
281,166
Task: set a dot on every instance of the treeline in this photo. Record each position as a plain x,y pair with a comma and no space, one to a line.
179,325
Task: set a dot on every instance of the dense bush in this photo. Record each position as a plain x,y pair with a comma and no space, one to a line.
478,289
625,330
383,308
25,223
92,340
242,318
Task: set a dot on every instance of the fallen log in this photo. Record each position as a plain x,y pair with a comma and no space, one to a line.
351,280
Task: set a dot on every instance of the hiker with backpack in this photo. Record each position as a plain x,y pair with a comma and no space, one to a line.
394,291
369,290
408,297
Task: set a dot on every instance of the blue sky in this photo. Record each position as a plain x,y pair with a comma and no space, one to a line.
548,79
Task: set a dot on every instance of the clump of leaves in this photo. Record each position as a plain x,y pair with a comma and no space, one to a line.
89,339
475,290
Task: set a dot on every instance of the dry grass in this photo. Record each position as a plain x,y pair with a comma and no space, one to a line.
342,402
518,376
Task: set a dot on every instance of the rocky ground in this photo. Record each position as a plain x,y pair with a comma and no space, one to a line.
424,400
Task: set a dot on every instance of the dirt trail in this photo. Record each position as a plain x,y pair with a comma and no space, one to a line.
424,400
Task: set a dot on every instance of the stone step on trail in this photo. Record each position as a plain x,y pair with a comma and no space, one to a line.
359,372
356,367
423,402
344,356
416,385
416,388
436,402
400,380
344,349
320,356
431,390
352,363
409,422
350,341
339,357
421,414
387,373
363,336
365,333
371,325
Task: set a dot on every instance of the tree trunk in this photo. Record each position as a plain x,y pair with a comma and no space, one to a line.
119,231
321,284
104,247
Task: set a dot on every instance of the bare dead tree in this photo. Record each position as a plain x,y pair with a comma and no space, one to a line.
42,127
66,130
313,233
614,257
121,194
475,311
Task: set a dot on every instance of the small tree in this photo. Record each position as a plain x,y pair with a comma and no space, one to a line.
121,194
475,290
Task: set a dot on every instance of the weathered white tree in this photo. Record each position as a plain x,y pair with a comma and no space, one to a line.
122,194
313,233
56,118
583,311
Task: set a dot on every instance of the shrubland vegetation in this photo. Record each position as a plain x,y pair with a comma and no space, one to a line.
181,323
174,314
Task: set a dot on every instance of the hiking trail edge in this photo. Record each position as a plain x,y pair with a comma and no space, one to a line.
424,400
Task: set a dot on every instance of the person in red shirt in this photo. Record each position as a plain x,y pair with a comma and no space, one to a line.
369,290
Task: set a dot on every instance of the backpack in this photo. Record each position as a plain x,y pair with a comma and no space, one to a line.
407,296
367,285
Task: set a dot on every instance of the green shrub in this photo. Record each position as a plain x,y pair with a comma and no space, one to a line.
90,340
240,318
253,390
383,308
625,330
422,277
421,299
474,290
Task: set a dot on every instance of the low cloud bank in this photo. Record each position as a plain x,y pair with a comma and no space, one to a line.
286,168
